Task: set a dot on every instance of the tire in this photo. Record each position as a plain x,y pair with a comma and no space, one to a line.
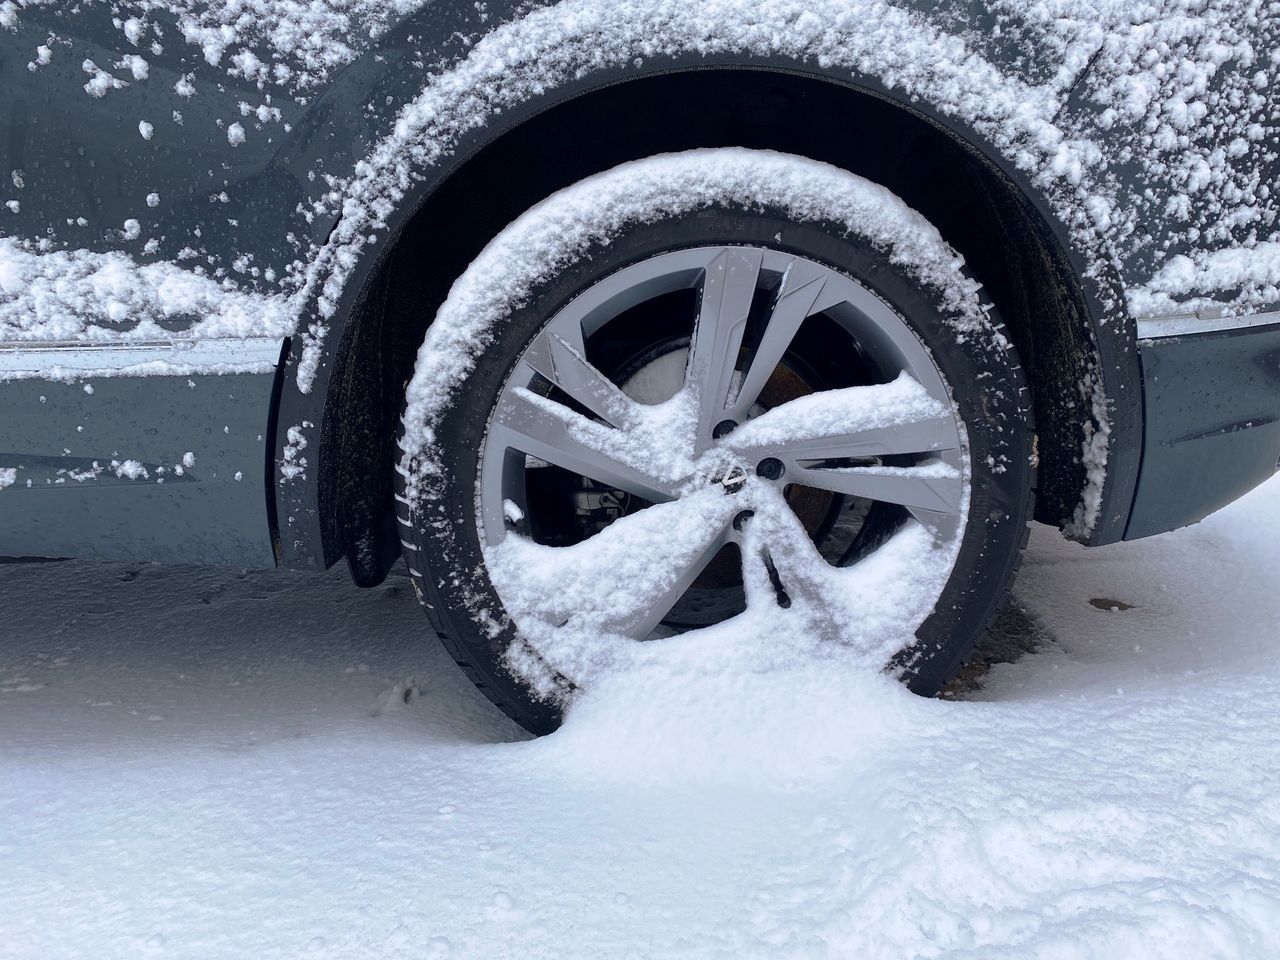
445,536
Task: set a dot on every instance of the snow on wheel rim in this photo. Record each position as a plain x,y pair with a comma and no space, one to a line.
714,468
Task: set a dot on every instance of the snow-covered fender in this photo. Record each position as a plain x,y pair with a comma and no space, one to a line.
553,54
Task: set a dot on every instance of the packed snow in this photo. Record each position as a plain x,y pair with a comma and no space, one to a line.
219,764
832,413
850,620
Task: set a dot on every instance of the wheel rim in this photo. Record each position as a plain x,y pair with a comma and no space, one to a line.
708,467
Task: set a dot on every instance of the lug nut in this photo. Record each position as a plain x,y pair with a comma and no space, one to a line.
722,428
741,519
771,468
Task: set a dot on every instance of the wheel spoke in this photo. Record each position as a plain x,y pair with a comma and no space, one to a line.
812,434
728,288
760,580
892,419
552,432
799,567
916,488
935,435
755,571
565,364
683,569
801,285
628,576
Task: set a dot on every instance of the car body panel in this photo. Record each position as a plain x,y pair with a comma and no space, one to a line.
128,467
334,153
1213,423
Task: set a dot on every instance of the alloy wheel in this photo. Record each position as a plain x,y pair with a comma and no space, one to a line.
660,475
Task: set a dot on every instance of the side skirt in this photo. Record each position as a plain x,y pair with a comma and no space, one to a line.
146,451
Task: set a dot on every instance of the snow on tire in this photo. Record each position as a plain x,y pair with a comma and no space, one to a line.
713,408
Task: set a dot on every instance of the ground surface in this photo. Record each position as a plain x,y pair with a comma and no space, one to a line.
211,764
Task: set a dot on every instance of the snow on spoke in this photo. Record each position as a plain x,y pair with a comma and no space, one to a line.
728,287
855,422
550,431
756,581
620,583
871,608
931,435
934,487
564,363
809,581
801,285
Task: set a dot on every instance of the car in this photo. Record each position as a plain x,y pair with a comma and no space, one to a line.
629,322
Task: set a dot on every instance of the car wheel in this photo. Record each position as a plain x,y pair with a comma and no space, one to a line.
704,415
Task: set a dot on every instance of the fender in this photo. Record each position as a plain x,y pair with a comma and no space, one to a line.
476,101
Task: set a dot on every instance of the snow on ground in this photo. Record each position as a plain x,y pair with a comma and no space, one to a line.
214,764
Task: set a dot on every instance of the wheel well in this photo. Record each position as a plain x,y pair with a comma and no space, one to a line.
982,213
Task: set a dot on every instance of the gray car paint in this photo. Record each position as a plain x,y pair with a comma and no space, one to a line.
73,501
1213,424
84,158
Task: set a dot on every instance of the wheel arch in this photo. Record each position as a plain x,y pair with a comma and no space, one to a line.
1050,291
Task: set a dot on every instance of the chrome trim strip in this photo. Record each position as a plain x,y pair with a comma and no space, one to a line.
64,359
1190,324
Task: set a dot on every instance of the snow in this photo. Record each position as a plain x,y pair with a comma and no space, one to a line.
1093,457
221,764
79,295
847,622
100,81
1185,284
129,469
136,65
292,463
833,412
133,30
